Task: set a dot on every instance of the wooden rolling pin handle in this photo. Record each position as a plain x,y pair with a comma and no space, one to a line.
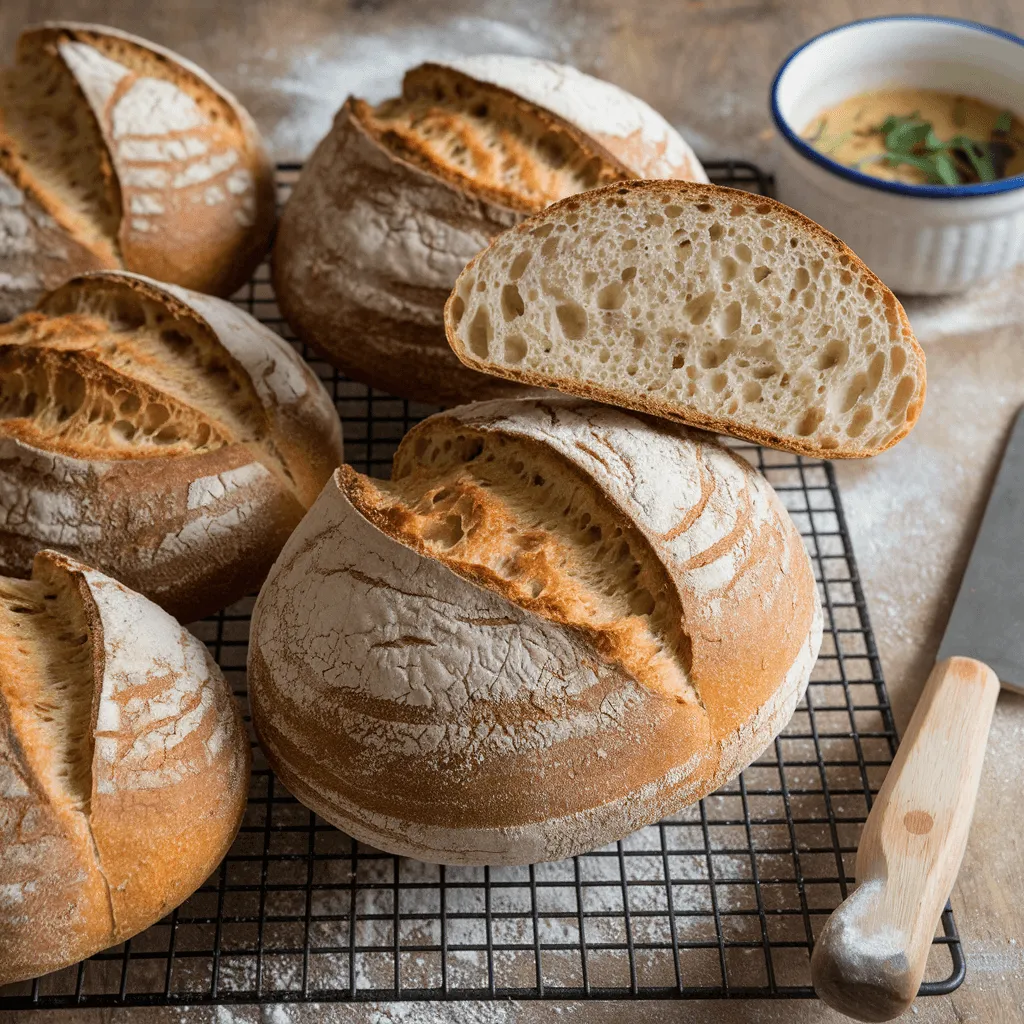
871,955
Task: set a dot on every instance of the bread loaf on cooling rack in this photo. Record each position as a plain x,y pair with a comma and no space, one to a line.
163,436
124,766
399,197
115,152
707,305
557,623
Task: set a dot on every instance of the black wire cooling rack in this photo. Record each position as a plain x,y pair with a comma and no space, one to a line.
722,900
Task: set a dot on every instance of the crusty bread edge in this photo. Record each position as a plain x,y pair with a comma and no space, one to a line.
897,319
553,839
497,196
257,157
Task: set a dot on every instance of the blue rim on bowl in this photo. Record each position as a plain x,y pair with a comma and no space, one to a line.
984,188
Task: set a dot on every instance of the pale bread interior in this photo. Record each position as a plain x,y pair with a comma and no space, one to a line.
714,306
47,678
106,372
56,138
519,519
488,140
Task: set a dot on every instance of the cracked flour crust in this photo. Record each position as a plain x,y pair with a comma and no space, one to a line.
398,198
161,171
454,667
163,436
124,766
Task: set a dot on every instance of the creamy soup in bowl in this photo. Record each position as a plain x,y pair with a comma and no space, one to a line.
938,216
920,136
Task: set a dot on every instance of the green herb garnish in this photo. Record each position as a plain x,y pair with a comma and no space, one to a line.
978,156
911,141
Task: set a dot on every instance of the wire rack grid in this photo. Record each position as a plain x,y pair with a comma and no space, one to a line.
722,900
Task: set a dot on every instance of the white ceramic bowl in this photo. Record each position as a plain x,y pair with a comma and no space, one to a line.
919,239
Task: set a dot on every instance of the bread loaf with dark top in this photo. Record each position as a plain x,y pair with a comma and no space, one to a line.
400,196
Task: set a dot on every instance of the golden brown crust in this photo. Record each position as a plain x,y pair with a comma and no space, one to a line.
516,725
186,190
159,434
124,767
696,191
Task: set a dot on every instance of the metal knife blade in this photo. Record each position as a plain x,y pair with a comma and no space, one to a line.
987,622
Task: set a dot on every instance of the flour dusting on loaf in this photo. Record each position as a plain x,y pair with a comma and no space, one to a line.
164,436
627,127
400,196
124,766
136,157
556,623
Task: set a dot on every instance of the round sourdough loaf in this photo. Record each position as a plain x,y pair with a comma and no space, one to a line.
115,152
124,766
399,197
559,622
166,437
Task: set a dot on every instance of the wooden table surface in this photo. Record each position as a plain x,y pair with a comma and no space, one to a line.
706,65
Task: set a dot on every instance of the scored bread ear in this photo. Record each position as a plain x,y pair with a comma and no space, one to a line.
715,307
123,760
627,127
164,436
557,622
141,158
259,375
488,140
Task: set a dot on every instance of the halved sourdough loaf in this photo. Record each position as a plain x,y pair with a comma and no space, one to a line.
124,766
115,152
399,197
166,437
558,622
714,307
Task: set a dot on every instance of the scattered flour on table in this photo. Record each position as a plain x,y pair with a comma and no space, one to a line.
371,67
987,307
1007,961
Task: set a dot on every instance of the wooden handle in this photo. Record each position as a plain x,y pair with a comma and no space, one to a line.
871,955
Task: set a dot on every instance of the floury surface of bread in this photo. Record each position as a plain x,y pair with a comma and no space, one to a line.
711,306
165,437
399,197
115,152
124,766
557,623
